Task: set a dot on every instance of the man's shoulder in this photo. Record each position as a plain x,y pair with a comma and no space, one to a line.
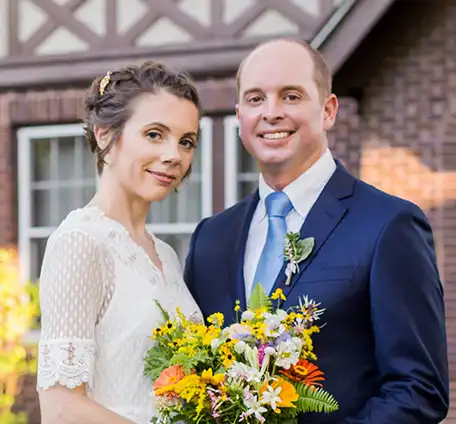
231,215
376,201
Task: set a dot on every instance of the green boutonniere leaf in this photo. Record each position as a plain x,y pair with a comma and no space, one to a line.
305,248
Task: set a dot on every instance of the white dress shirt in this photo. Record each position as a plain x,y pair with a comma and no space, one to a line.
303,193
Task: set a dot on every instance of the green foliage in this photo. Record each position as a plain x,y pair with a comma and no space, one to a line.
315,400
9,417
155,362
188,363
259,299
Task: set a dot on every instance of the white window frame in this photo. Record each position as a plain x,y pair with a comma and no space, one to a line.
231,147
232,150
27,232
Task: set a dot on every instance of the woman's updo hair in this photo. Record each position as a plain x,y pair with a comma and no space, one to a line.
107,103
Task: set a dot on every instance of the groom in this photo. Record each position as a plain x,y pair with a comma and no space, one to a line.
383,348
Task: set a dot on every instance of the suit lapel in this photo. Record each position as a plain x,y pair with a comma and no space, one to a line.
322,220
236,276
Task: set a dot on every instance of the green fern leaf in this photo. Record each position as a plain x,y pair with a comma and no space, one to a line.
259,299
315,399
164,313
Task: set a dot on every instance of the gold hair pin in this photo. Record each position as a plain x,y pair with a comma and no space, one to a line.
104,82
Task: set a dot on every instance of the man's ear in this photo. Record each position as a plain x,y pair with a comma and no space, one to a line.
331,109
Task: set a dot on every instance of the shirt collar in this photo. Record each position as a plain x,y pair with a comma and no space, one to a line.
305,188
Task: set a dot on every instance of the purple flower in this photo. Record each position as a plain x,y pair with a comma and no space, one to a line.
282,338
261,353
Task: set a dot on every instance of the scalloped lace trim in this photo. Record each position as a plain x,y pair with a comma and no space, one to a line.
68,363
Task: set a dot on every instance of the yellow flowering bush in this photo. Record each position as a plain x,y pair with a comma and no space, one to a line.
18,310
253,371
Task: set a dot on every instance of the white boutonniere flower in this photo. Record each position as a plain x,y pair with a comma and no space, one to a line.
296,250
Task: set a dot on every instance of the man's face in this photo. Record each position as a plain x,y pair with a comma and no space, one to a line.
281,115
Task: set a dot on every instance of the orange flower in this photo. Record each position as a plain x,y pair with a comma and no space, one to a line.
288,395
305,372
164,385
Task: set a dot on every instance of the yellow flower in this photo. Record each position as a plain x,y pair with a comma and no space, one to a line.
208,377
227,354
191,388
175,343
211,334
259,330
260,312
216,319
278,294
168,327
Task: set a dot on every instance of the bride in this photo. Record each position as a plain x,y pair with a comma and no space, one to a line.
103,271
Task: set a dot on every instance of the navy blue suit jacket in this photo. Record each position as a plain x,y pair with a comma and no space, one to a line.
383,349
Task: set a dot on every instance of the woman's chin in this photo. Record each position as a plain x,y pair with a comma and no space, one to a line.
157,194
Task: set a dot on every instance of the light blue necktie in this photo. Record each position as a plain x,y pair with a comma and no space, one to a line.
278,205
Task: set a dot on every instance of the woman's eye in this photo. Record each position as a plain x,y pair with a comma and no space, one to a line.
188,143
153,135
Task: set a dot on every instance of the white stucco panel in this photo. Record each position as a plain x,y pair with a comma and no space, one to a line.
164,31
270,23
3,28
128,13
61,41
31,17
235,8
312,7
93,14
198,9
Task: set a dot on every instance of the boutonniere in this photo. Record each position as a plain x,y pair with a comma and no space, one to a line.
296,250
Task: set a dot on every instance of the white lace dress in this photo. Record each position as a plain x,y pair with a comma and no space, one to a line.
97,291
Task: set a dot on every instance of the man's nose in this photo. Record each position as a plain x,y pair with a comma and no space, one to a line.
274,111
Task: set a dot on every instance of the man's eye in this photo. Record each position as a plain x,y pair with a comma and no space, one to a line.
292,97
254,99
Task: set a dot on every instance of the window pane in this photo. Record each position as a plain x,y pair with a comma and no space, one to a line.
181,207
89,162
246,162
189,207
66,158
247,187
179,242
37,248
196,163
67,200
87,194
41,208
41,160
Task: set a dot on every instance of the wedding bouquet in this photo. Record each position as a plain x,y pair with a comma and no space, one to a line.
255,370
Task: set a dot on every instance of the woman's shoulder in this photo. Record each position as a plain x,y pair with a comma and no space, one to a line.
85,223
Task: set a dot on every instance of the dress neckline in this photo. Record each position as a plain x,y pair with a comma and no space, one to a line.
121,228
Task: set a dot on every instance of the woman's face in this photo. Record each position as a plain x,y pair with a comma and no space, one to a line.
155,150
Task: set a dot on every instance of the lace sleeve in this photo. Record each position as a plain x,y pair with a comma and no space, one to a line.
71,294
